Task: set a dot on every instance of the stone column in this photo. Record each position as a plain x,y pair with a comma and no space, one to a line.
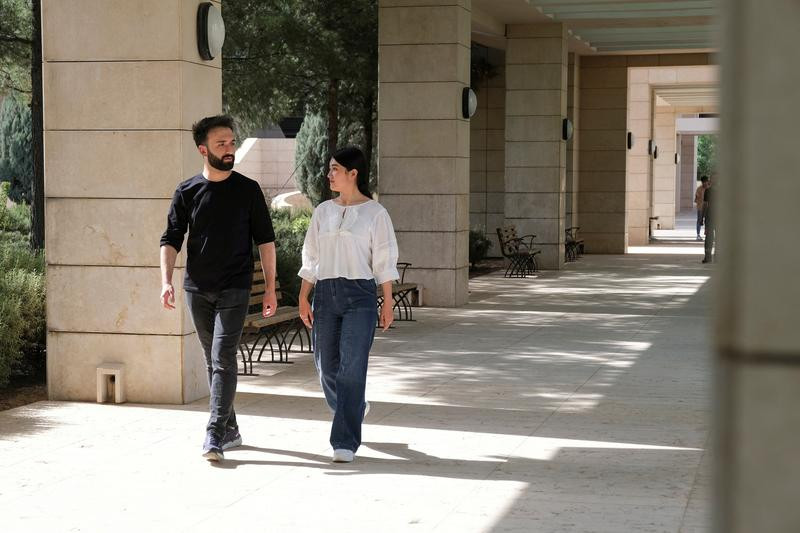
423,141
123,83
603,153
757,291
573,146
664,167
536,156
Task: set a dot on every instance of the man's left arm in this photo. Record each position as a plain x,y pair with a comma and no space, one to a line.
267,253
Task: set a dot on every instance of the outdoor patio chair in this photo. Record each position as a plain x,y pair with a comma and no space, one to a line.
519,251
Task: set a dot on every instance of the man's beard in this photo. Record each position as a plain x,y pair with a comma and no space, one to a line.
220,164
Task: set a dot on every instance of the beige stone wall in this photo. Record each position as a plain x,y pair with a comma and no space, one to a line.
118,110
423,142
615,188
270,162
487,155
536,156
652,183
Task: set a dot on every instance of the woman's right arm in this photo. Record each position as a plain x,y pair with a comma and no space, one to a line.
304,306
309,269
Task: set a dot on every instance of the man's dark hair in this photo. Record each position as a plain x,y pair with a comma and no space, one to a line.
201,128
703,179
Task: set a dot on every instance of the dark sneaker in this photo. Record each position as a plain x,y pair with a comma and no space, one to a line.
212,448
232,439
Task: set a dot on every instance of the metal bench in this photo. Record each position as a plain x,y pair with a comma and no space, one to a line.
519,251
573,246
401,292
278,331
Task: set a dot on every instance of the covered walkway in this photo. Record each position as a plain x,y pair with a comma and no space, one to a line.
577,401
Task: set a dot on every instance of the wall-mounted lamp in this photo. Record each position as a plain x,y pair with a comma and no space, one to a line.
677,158
469,102
567,129
210,31
655,152
650,146
630,140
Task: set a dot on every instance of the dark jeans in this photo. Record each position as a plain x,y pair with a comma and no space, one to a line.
344,326
700,221
218,319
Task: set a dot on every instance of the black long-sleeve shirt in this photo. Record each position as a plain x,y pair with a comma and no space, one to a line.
224,218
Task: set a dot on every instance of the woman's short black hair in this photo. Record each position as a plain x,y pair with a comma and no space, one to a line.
351,157
201,128
703,179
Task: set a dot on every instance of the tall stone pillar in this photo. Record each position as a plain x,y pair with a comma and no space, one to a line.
423,141
573,146
536,155
758,295
664,167
123,83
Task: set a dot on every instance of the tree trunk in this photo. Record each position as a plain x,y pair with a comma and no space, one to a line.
333,131
369,109
37,116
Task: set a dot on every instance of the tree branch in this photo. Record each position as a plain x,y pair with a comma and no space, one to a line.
15,39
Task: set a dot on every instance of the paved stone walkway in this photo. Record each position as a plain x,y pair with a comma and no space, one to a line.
577,401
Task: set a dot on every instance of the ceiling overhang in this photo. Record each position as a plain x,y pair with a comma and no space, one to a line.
615,26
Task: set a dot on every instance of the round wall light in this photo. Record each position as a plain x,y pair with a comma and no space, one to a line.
469,102
210,31
567,129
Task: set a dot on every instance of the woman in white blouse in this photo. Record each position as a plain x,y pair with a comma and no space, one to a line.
349,249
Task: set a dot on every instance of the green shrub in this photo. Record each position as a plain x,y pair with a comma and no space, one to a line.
22,295
290,232
478,246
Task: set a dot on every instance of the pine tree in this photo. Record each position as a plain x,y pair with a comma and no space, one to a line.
16,156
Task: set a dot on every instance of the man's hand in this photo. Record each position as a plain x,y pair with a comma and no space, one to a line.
387,315
168,296
269,304
306,314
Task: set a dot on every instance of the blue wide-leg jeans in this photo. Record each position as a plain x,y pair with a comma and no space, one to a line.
345,313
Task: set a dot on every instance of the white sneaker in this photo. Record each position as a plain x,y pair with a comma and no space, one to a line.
366,410
343,456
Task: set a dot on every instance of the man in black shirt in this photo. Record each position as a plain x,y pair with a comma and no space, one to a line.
225,213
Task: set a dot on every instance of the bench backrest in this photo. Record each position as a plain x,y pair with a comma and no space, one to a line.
571,234
509,244
257,290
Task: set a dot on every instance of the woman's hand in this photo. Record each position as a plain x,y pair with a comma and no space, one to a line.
306,314
387,314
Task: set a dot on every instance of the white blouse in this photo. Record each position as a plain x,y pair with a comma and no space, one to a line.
353,242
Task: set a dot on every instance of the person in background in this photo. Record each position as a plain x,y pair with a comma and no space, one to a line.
698,202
